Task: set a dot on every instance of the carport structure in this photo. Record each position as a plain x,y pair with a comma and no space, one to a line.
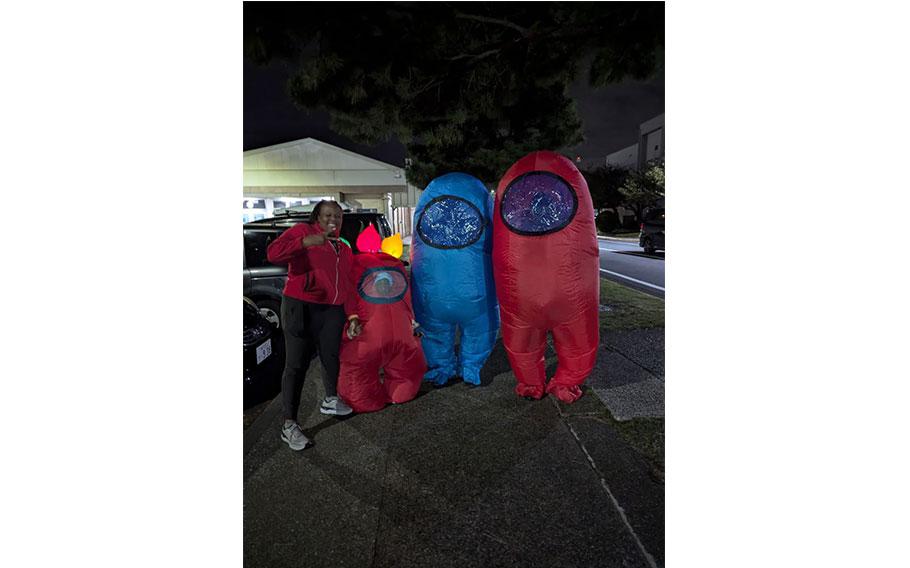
312,168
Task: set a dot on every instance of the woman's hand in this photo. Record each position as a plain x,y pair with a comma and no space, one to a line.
314,240
320,238
354,328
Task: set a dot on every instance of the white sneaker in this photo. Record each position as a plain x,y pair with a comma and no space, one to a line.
334,405
292,434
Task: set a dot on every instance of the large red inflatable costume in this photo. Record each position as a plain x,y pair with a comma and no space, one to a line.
546,268
386,341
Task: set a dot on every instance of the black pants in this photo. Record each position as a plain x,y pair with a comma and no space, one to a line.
309,328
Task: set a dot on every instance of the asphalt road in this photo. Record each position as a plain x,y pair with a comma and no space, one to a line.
626,263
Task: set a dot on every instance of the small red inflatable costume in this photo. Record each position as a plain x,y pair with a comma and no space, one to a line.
546,268
387,340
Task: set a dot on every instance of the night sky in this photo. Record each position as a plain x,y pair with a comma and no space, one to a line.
611,116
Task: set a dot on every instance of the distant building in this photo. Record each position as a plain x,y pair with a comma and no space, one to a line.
626,158
650,146
651,140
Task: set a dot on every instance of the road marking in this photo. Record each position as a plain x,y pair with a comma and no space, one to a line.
610,250
633,279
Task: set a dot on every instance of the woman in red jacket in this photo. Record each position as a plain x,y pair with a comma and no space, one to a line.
316,297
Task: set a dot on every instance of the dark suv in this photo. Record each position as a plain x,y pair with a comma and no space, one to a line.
651,237
264,281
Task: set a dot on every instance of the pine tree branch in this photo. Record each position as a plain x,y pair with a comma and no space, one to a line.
432,83
478,56
523,31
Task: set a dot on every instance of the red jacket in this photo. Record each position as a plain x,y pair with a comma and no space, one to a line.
318,274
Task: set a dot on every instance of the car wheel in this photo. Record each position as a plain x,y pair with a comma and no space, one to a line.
270,310
649,248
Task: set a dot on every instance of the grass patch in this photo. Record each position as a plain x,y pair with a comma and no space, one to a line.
646,435
629,309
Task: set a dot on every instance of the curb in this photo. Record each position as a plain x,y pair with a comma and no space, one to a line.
618,239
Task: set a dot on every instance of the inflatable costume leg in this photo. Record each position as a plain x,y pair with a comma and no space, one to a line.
525,346
358,379
576,345
439,349
478,336
404,373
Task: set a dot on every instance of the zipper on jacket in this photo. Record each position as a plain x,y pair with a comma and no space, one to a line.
337,261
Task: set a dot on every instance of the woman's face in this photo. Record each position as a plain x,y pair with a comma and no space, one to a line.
330,218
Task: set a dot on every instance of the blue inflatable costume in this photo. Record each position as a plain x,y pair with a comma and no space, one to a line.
452,276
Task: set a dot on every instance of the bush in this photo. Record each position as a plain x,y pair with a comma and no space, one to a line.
630,223
607,221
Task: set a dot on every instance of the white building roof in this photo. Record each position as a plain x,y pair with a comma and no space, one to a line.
312,167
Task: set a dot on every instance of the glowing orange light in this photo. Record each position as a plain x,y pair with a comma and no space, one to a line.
369,240
393,246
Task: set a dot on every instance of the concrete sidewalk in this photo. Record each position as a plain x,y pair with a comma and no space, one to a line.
459,477
629,373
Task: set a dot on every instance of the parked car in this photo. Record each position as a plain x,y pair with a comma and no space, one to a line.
651,237
261,356
264,281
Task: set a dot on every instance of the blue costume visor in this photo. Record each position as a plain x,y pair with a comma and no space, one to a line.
450,222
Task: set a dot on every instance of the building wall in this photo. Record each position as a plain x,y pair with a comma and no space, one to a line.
651,140
402,220
378,203
625,158
650,146
403,207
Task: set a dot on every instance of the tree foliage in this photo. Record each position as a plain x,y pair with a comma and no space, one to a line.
464,86
604,183
643,188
